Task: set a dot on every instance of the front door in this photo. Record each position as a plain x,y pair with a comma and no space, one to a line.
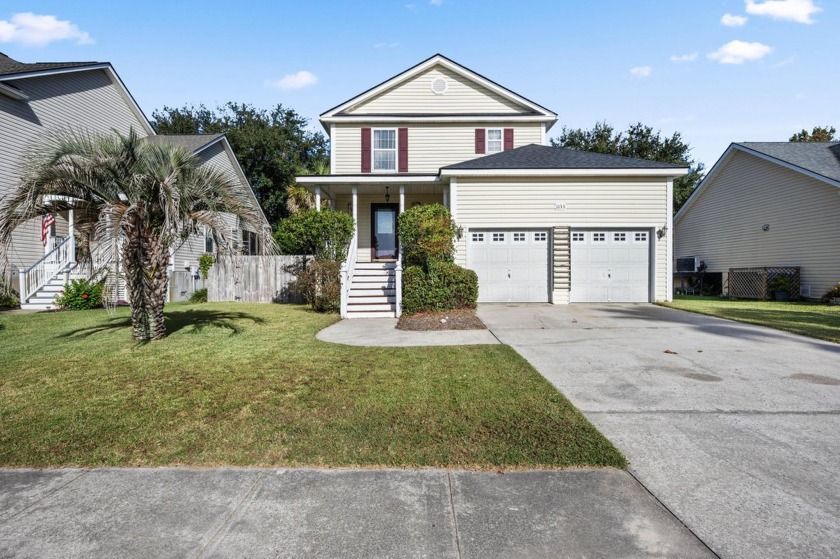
384,231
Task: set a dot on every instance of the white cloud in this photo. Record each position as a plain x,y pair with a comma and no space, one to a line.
410,6
738,52
641,71
730,20
435,2
799,11
30,29
691,57
385,45
297,80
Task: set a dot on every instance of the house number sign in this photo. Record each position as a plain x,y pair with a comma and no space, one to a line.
559,206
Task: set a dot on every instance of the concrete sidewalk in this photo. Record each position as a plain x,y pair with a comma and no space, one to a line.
382,332
174,512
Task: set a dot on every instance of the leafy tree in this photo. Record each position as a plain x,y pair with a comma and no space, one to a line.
426,234
325,234
271,145
638,141
818,134
150,197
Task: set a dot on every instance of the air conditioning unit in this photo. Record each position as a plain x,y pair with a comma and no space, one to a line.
687,264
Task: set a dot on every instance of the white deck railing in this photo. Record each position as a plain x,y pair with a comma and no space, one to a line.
51,265
347,270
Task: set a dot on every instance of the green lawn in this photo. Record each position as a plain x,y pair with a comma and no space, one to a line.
816,320
246,384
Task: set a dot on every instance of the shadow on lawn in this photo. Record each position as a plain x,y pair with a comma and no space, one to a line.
194,321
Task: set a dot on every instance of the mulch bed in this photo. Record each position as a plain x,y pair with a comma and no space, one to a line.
463,319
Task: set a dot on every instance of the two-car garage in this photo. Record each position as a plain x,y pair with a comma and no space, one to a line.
513,265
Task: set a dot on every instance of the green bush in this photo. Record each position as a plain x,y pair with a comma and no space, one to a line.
833,293
446,287
319,282
205,262
780,282
79,295
427,234
8,297
325,234
199,296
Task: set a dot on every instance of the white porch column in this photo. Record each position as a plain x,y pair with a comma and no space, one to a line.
71,230
453,197
446,196
356,208
402,198
317,198
669,238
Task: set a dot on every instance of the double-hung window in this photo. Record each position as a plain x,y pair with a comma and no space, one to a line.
385,150
494,140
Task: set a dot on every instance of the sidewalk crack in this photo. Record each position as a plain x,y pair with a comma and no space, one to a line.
454,516
42,497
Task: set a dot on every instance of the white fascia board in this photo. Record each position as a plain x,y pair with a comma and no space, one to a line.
563,172
549,225
239,172
726,156
513,117
359,179
457,68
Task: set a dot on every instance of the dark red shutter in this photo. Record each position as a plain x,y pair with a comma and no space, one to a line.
403,150
508,139
479,141
366,150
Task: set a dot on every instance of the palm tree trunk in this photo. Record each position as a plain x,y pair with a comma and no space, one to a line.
145,257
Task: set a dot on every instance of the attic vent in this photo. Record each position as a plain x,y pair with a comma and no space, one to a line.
439,86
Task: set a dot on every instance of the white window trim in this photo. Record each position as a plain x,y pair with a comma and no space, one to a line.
373,150
487,140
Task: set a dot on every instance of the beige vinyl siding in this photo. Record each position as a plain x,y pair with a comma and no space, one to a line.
364,214
78,100
215,157
613,203
430,145
416,97
723,227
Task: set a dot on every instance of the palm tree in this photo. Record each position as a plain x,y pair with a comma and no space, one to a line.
148,196
297,197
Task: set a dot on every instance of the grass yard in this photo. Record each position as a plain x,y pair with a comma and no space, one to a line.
245,384
816,320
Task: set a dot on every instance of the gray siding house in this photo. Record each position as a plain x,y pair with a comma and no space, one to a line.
767,204
37,98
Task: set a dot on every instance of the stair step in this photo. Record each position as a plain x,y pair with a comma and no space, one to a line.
356,307
37,307
368,291
372,279
371,299
372,314
375,265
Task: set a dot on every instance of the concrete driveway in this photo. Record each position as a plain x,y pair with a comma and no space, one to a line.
733,427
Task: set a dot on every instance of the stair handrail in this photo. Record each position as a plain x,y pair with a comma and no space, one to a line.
38,274
398,270
348,267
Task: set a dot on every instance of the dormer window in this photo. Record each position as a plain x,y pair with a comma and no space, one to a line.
494,140
385,149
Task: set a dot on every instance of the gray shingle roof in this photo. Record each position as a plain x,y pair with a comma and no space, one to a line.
822,158
9,66
192,142
544,157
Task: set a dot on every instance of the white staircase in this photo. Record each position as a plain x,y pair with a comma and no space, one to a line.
44,298
372,292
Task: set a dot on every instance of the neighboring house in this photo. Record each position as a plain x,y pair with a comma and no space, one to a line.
36,99
540,224
767,204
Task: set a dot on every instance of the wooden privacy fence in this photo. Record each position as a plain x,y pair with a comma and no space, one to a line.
252,279
754,283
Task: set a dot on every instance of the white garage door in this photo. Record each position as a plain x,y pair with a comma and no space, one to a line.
512,264
610,266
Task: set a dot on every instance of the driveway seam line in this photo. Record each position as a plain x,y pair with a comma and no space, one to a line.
226,522
707,412
454,515
677,518
41,498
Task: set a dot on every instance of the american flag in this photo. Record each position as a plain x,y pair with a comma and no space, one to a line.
46,225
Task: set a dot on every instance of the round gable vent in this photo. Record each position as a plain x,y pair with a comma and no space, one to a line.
439,86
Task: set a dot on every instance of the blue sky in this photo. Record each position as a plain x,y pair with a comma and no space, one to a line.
715,70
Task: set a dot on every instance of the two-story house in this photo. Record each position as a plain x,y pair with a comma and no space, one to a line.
540,224
39,98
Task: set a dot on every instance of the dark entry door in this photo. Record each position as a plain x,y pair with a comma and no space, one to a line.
384,231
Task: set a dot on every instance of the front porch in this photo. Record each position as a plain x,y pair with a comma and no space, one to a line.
372,274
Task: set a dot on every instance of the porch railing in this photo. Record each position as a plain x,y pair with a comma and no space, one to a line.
55,262
398,287
347,270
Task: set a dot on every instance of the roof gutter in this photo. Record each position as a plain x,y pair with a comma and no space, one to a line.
673,172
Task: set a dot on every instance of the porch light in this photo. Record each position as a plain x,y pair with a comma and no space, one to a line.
387,195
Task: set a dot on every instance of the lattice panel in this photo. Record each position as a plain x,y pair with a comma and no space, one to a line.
754,283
